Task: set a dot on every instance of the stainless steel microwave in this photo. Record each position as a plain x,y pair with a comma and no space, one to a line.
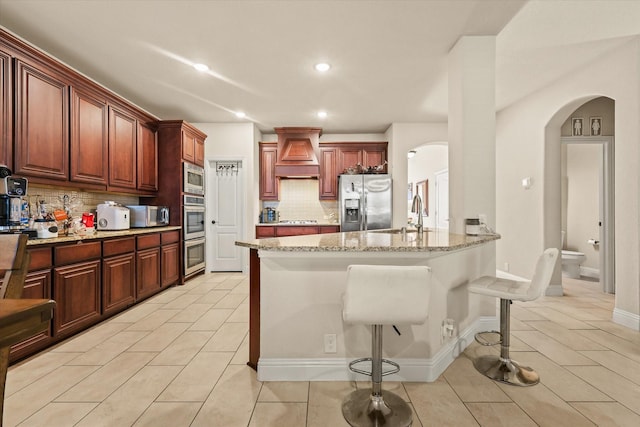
193,176
148,216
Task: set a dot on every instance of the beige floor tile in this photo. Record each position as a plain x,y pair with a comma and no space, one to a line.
551,348
544,407
38,394
91,338
617,363
500,414
626,348
437,404
228,337
238,382
240,314
618,387
160,338
279,414
137,313
566,336
124,406
518,325
242,355
211,320
325,403
617,330
608,414
231,301
212,296
560,380
101,383
153,321
580,311
168,414
183,348
167,296
561,318
181,302
523,314
284,391
470,385
21,375
195,382
395,387
191,313
59,414
103,353
229,284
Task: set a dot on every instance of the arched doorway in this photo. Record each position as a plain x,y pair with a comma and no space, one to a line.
424,164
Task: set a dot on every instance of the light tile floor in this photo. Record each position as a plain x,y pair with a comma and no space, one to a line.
178,359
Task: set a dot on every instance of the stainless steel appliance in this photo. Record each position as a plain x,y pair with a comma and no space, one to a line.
269,215
193,177
365,202
13,216
112,216
193,217
148,216
194,251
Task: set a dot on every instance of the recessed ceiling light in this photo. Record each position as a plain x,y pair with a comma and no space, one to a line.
411,153
322,67
322,114
200,67
240,114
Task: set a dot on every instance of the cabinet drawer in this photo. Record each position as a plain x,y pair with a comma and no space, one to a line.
41,258
69,254
295,231
148,241
265,231
329,229
118,246
170,237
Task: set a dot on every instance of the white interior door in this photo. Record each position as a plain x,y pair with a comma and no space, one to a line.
442,199
224,215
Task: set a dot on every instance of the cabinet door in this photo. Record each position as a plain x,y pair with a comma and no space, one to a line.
263,231
122,148
268,181
6,110
349,157
118,282
289,230
89,143
147,158
76,290
199,152
147,272
170,264
374,156
329,229
188,147
37,285
42,124
328,182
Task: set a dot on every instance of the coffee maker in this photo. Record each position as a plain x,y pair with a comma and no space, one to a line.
12,190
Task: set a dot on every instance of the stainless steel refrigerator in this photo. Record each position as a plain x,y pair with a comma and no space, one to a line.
365,202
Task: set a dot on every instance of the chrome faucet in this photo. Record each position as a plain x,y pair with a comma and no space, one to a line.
416,207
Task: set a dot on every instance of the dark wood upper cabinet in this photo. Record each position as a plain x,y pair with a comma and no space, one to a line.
147,157
89,137
328,173
6,110
199,151
268,182
122,148
42,123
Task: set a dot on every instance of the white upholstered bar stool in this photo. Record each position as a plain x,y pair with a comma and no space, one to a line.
502,368
380,295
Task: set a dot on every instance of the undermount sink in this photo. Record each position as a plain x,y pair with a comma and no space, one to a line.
399,231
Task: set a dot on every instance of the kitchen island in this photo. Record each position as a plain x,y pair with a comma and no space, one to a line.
296,286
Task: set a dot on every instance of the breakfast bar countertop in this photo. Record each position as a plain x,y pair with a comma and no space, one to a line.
102,234
387,240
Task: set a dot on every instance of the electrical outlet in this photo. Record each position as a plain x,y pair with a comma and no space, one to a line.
448,326
330,343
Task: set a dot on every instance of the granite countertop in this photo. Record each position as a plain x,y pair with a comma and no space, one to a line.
102,235
289,224
389,240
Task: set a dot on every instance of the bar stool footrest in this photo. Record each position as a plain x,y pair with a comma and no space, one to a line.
395,369
488,338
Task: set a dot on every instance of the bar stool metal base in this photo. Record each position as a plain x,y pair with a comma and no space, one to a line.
506,371
364,409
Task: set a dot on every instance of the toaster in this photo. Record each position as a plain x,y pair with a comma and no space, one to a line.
112,216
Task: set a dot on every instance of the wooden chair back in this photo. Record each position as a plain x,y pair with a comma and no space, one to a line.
14,263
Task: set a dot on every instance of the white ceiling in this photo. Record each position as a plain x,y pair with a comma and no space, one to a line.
389,57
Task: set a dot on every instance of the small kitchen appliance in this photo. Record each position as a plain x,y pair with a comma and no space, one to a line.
269,215
148,216
113,216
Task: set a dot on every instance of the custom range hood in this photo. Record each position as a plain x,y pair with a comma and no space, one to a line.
298,151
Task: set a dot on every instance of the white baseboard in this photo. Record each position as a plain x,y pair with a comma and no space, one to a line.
590,272
337,369
624,318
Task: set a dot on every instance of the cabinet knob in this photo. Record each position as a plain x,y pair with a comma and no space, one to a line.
213,221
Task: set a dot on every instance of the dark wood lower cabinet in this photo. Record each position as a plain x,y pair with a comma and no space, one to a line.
76,290
148,272
170,262
118,283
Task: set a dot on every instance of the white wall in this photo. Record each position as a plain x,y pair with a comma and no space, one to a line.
429,159
528,144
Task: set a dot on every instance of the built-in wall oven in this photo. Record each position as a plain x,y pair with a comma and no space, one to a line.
194,232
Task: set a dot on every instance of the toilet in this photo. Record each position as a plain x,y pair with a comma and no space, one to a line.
571,261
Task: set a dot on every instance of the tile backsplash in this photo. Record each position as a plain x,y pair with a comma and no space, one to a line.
80,201
299,200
